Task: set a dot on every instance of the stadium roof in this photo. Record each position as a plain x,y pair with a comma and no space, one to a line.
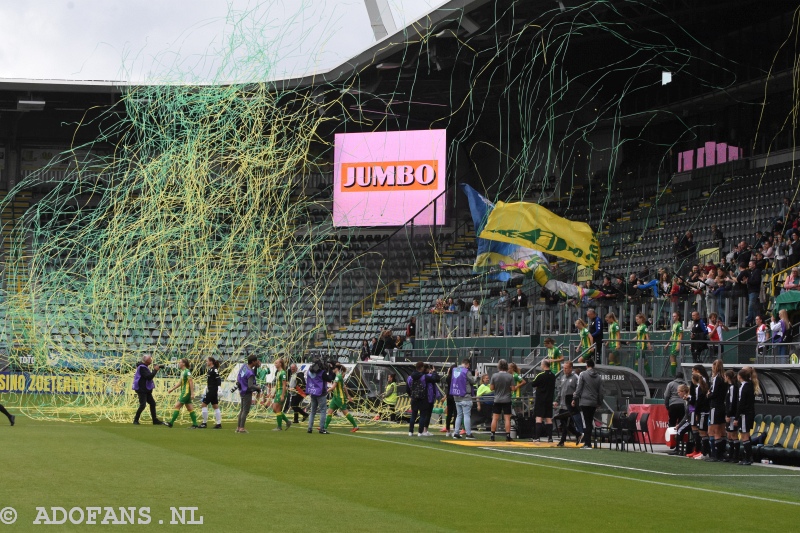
384,45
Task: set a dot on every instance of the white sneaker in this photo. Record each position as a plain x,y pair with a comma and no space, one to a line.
427,434
419,434
410,434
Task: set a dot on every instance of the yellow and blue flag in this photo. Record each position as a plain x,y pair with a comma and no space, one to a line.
531,225
492,254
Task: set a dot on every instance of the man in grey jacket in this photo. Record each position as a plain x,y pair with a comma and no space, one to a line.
675,405
569,415
588,397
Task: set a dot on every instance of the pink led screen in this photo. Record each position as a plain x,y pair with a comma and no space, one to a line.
386,178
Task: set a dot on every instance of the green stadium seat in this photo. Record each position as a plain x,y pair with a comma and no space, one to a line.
780,454
774,437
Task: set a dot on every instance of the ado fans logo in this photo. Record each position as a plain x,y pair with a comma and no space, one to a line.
390,176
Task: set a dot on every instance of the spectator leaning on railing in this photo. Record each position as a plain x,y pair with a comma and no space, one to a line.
520,300
792,282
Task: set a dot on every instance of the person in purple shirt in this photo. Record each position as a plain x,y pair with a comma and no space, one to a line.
143,386
246,383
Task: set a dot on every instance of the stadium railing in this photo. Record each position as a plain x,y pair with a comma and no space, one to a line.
559,319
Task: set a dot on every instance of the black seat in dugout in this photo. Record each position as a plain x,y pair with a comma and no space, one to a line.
629,431
644,429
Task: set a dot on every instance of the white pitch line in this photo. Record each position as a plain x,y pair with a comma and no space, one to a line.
604,465
588,472
487,448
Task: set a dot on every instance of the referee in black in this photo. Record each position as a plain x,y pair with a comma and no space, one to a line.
545,385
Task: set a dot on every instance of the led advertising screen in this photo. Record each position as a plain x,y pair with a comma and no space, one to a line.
386,178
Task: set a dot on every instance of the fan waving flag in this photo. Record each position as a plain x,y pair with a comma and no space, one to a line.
533,226
501,257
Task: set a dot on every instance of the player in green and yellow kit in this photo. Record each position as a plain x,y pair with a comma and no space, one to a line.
674,345
279,395
186,386
613,336
586,347
554,355
339,398
642,337
517,383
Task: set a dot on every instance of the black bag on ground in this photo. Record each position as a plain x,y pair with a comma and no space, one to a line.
526,426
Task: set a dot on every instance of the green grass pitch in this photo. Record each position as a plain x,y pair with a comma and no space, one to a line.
375,481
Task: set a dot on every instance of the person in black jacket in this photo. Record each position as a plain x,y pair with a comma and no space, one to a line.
746,413
545,385
521,299
699,337
211,397
753,291
596,330
731,405
143,385
716,414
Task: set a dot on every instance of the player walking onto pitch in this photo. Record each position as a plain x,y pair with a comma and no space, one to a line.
642,337
279,395
186,386
519,382
339,398
614,340
586,347
213,382
554,355
673,348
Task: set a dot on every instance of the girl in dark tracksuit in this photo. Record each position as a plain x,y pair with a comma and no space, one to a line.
731,405
699,399
698,406
716,418
451,402
746,411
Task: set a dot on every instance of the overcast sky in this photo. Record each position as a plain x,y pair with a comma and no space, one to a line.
186,40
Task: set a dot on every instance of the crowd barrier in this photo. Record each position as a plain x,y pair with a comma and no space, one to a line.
560,319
